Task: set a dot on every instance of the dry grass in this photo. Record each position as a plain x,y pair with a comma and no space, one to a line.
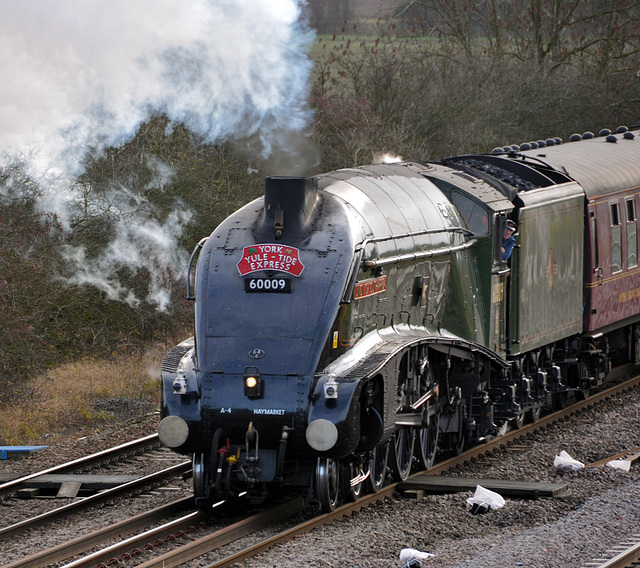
82,395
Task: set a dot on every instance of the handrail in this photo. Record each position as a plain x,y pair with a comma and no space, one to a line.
351,283
195,252
377,263
416,234
359,252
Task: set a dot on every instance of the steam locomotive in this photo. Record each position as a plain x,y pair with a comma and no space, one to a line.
352,324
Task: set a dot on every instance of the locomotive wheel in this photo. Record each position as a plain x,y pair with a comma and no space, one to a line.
201,490
582,394
198,475
327,483
519,420
215,456
378,467
533,415
559,400
428,442
458,443
403,444
351,492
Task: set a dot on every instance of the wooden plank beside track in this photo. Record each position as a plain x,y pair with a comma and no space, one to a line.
69,490
90,482
506,488
68,486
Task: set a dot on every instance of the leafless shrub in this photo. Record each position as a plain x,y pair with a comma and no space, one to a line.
471,80
82,394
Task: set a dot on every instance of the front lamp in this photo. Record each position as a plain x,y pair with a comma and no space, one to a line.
253,383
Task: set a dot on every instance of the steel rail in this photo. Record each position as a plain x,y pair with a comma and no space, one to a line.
630,455
134,485
626,554
543,422
128,448
314,523
134,545
85,542
242,529
227,535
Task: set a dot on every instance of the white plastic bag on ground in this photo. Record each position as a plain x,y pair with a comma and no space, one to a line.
409,554
565,461
620,464
483,500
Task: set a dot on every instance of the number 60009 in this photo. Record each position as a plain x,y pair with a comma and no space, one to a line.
267,285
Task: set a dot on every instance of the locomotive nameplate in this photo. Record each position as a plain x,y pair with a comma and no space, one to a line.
264,284
370,287
270,257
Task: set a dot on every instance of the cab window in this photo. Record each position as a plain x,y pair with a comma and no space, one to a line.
474,214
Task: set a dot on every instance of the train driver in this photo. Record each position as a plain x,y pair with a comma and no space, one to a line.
508,239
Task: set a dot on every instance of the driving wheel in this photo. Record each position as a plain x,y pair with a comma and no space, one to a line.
327,483
403,444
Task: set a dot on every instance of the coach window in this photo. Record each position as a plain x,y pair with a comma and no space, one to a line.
616,238
595,257
632,233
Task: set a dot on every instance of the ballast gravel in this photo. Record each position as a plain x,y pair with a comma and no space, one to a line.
602,510
569,532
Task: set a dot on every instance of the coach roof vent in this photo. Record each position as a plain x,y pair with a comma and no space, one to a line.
288,206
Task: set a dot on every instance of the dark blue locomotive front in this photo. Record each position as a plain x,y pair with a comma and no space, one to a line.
293,329
351,324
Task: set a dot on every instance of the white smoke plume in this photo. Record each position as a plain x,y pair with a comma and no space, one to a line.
386,158
80,76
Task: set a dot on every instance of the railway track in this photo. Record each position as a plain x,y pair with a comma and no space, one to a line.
625,555
138,449
546,420
126,488
196,538
83,543
123,451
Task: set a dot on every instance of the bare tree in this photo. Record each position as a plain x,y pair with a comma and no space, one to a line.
602,34
329,16
483,74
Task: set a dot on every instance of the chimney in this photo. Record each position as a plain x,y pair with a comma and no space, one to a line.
288,205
